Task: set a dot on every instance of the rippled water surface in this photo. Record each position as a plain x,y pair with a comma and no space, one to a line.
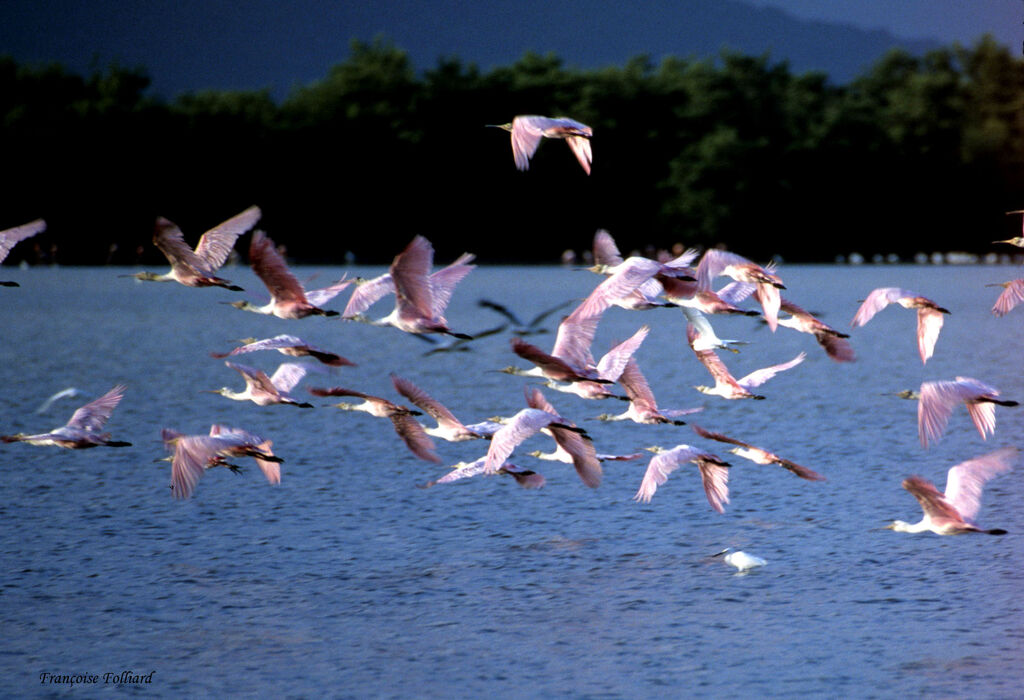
348,580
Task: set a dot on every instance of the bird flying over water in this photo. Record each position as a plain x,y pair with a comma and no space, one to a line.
714,473
834,343
526,478
929,314
719,262
759,455
12,236
83,430
522,329
197,268
1016,240
1012,295
642,406
529,422
288,299
192,455
265,391
938,399
448,427
954,512
287,345
527,130
727,386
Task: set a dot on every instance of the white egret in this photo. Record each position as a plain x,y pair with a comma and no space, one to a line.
741,560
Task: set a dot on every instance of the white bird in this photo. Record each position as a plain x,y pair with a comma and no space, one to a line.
714,473
929,314
741,560
642,406
12,236
759,455
420,298
528,129
287,345
526,478
197,268
402,419
705,337
954,512
448,427
83,429
719,262
834,343
288,299
67,393
1011,296
194,454
265,391
727,386
938,399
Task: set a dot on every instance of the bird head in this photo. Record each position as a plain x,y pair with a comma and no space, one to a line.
656,449
144,276
506,127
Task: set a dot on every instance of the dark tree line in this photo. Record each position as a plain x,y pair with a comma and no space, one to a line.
918,154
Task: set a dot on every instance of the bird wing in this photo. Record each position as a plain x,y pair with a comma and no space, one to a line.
605,251
1012,295
275,343
715,479
169,239
633,272
711,361
319,297
367,294
877,300
939,398
637,389
552,367
192,456
288,375
215,245
736,292
835,346
341,391
573,340
965,481
503,310
12,236
713,263
462,470
271,268
520,427
443,281
410,271
255,377
802,472
423,400
414,436
580,146
769,298
581,448
760,376
929,323
93,415
527,131
658,470
613,362
718,436
933,503
535,399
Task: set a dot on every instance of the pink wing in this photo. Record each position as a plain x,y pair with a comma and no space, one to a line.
94,415
1012,295
580,146
414,437
760,376
527,132
965,481
877,300
12,236
715,479
271,268
367,294
410,271
605,250
929,323
216,244
520,427
614,361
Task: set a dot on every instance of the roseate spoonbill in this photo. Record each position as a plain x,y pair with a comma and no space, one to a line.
954,512
194,454
741,560
937,399
288,299
533,327
642,406
726,385
608,260
719,262
402,419
526,478
369,292
714,473
1012,294
929,314
448,427
724,301
287,345
263,390
834,343
420,298
528,129
527,423
1016,240
759,455
196,268
577,446
83,430
12,236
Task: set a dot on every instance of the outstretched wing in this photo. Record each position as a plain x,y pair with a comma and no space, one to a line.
216,244
93,415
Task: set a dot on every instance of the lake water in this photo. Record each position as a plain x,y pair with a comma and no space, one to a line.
347,580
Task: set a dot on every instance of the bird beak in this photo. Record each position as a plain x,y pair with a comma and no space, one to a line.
719,554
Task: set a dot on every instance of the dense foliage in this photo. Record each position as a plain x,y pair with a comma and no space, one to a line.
918,154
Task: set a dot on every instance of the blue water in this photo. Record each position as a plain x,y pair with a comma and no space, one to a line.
347,580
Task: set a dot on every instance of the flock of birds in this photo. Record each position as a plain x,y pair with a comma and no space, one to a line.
421,296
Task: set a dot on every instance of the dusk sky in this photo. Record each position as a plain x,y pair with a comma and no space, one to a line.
189,45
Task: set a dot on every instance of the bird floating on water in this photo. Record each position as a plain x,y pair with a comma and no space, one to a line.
83,429
192,455
714,473
197,268
954,512
12,236
528,129
937,399
288,299
929,314
741,560
287,345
